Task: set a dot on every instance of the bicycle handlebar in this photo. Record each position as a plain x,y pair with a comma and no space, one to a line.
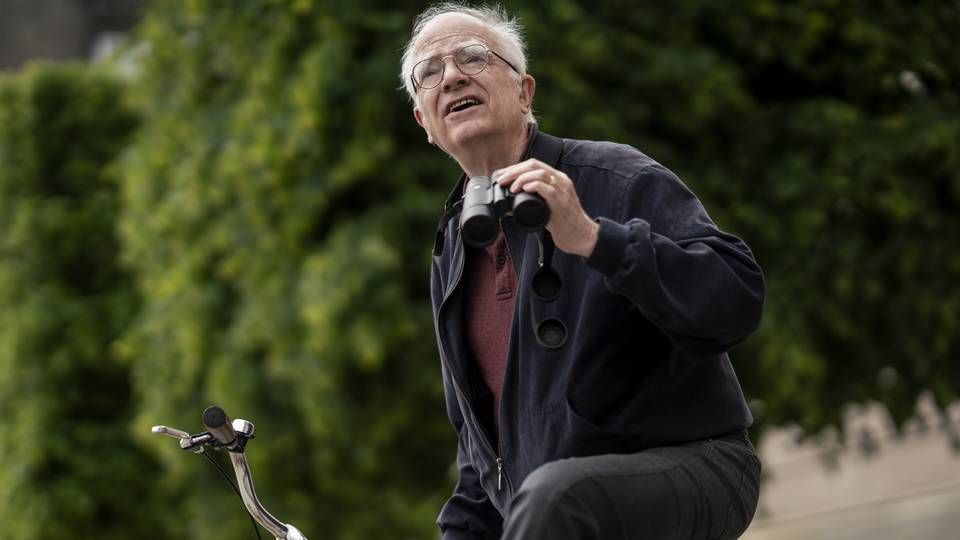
217,423
233,436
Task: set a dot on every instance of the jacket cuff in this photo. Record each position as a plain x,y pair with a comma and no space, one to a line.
612,240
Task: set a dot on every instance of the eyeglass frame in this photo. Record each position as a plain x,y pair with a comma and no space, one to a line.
443,65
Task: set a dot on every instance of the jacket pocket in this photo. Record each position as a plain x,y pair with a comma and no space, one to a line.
588,438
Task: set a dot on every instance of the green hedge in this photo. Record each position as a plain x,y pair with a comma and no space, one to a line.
68,465
280,233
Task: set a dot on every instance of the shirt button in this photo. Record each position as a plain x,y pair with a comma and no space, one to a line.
501,259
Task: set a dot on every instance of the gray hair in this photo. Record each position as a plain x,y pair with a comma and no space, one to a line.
506,29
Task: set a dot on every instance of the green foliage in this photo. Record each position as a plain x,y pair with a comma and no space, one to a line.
280,229
65,396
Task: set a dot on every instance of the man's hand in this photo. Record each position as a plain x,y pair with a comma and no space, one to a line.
572,229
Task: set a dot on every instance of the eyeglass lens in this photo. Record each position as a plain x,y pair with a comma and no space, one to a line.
470,60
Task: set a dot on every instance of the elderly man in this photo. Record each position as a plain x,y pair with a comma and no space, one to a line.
633,426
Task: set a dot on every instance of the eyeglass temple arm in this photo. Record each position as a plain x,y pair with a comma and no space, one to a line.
505,61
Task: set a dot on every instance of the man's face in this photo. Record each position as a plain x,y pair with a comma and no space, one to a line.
503,97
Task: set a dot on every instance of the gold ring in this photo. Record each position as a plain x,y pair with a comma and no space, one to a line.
553,180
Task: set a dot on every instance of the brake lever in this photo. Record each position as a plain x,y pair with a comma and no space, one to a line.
193,443
170,432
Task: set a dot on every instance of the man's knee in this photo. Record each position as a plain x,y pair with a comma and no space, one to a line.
592,497
558,487
551,480
557,500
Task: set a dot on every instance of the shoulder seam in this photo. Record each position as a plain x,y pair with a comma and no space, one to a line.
609,170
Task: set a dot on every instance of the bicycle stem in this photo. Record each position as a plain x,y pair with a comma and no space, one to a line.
279,530
259,513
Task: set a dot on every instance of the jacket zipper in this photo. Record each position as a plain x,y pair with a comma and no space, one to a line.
501,475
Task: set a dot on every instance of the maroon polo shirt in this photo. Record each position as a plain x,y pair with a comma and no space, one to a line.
490,296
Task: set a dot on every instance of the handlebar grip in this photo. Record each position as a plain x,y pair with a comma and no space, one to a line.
217,423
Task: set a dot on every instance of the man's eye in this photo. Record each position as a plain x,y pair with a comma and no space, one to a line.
430,68
472,59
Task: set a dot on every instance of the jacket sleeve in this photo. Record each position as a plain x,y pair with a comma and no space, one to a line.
699,285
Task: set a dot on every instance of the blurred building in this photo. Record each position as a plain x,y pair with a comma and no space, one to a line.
63,29
878,485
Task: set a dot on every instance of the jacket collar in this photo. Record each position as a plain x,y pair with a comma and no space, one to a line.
542,146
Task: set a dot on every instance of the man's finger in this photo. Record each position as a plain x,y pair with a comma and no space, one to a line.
529,176
542,188
510,174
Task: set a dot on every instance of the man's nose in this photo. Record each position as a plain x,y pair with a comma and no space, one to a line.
452,76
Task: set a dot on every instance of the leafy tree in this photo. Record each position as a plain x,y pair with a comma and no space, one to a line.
280,225
68,466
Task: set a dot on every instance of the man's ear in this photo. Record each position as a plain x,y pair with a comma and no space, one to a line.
528,87
418,116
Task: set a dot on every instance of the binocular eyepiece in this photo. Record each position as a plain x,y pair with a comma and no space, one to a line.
485,202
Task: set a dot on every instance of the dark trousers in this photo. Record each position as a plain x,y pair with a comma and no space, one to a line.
700,490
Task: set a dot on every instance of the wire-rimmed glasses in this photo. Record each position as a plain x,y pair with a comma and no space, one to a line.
470,60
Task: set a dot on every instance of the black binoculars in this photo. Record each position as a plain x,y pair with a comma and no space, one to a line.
485,202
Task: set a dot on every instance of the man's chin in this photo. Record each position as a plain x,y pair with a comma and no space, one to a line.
468,132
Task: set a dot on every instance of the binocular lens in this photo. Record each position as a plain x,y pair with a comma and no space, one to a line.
479,227
530,211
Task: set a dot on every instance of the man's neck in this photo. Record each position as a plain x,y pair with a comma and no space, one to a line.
492,156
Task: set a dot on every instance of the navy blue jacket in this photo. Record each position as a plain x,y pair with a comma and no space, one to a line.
650,316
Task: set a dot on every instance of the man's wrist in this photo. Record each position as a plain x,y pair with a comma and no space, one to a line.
586,246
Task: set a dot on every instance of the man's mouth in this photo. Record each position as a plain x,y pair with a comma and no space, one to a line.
462,104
